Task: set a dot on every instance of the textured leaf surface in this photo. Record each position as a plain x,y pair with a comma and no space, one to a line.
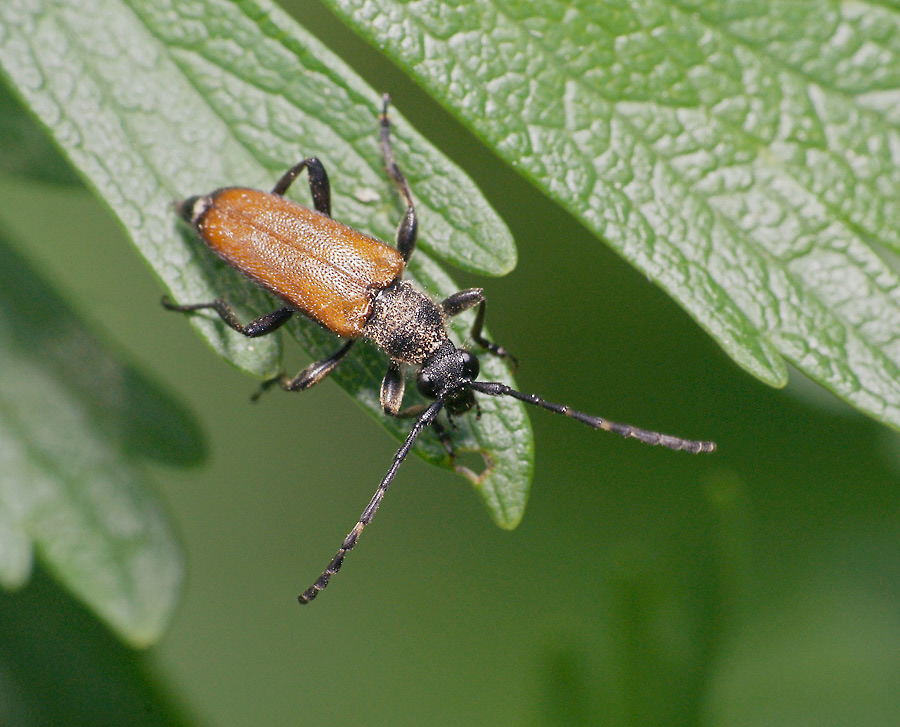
166,99
744,155
72,420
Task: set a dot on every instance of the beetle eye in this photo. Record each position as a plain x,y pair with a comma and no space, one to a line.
426,383
470,364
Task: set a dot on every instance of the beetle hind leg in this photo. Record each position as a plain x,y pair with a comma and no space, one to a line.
319,186
407,230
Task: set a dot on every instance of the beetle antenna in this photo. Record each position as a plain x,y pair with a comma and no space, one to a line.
335,565
625,430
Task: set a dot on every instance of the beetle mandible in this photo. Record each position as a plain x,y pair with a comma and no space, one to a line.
352,284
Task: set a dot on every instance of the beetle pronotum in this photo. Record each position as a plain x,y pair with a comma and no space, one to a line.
352,284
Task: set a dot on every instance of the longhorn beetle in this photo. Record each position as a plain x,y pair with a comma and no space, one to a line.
352,284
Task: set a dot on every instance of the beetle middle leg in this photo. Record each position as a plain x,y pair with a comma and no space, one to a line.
462,301
257,327
311,375
407,231
319,186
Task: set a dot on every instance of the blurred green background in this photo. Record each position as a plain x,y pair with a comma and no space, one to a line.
756,586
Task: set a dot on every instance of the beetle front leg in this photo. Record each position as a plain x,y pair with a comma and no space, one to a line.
392,389
257,327
463,301
319,186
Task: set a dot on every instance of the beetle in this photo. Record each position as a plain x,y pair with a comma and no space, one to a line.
353,285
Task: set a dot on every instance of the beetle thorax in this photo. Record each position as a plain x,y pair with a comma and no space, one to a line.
406,323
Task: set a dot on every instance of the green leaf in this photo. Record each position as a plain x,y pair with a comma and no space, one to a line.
72,421
25,150
162,100
61,667
743,155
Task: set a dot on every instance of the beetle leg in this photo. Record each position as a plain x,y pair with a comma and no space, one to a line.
318,183
462,301
407,231
310,376
257,327
392,397
444,436
392,389
477,327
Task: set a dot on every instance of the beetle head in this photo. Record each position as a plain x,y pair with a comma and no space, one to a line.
448,374
193,208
